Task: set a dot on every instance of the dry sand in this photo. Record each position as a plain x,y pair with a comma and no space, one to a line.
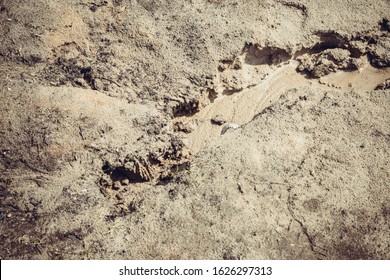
201,129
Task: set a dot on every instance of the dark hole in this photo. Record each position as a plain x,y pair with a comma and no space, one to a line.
121,173
385,25
87,76
186,109
106,167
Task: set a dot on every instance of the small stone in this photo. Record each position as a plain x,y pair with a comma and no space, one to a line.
182,127
93,8
218,120
229,126
125,182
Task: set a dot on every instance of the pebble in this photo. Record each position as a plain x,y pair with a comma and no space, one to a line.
218,120
229,126
125,182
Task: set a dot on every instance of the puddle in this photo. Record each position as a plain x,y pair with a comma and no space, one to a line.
367,78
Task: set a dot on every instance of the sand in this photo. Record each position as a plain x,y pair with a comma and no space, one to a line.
155,129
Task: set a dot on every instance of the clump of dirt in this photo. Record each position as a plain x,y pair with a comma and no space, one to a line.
380,56
384,85
327,61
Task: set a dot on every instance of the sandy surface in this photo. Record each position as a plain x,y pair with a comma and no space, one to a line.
199,129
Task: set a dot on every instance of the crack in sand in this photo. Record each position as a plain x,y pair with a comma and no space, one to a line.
303,227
